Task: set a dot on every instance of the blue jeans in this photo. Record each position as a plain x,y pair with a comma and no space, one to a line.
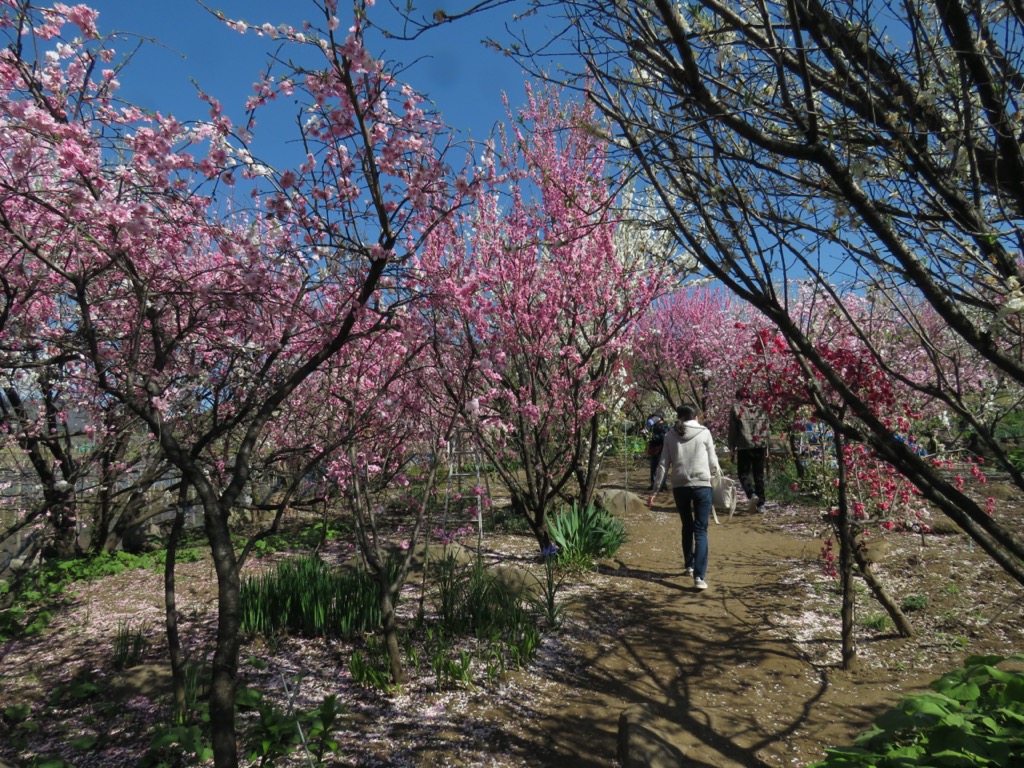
694,506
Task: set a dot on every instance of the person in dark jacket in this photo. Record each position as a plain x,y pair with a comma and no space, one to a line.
689,458
657,428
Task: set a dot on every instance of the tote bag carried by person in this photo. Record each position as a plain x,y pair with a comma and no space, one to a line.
723,494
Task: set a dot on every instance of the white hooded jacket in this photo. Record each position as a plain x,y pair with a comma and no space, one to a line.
689,452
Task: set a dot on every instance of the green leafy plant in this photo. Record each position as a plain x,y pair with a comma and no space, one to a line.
494,661
547,603
412,653
817,481
523,647
912,603
187,744
320,724
371,669
458,670
193,684
974,716
81,687
469,601
85,742
628,446
50,762
951,642
437,650
451,668
583,534
272,735
129,645
17,724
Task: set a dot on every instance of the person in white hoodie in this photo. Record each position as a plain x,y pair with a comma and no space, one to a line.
688,457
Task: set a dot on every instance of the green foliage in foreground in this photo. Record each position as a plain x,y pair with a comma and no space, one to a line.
583,534
973,717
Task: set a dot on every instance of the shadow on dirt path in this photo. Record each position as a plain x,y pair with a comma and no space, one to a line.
718,677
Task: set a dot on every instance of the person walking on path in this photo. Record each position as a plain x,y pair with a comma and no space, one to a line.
657,428
748,443
689,458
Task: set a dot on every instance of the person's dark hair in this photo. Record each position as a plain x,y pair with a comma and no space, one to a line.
686,412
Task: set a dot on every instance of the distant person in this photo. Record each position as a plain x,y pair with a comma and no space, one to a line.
657,428
689,457
748,441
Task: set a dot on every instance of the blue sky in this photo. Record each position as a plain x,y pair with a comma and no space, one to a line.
457,72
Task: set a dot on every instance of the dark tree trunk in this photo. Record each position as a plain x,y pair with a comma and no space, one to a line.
174,651
899,618
390,629
842,523
224,670
798,459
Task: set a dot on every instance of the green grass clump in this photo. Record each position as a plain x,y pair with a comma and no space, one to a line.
876,621
306,597
913,603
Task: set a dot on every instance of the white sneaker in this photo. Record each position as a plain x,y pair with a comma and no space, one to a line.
699,583
687,571
752,503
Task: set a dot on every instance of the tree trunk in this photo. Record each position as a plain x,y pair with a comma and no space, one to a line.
588,473
224,671
390,622
65,528
849,643
538,520
132,513
899,618
798,459
171,611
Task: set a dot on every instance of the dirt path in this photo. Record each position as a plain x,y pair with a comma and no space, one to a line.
742,674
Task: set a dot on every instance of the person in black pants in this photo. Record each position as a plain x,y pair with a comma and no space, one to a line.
748,440
657,428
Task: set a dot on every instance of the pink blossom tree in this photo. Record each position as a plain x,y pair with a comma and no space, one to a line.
694,345
364,427
882,361
531,303
204,328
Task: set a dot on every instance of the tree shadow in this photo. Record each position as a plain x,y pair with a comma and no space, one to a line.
708,663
